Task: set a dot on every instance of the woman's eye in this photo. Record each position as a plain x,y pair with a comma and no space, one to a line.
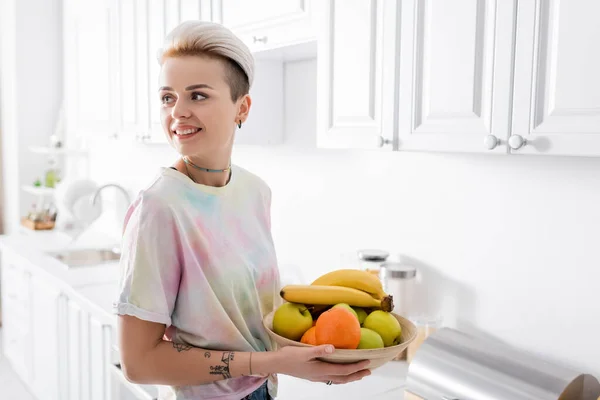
198,96
166,99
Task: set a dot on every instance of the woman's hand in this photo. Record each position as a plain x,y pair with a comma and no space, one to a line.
302,362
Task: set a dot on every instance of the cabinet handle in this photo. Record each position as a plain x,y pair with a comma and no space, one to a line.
381,141
142,137
262,39
491,142
515,142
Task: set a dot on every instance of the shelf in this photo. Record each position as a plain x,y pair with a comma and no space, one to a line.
38,191
56,151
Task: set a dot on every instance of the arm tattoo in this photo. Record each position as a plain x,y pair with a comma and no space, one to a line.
223,369
207,354
181,346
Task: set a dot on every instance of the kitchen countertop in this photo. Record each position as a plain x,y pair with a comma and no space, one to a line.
33,246
97,286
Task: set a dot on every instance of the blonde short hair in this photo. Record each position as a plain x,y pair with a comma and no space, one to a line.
202,38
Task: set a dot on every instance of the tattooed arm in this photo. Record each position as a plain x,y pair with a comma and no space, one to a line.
147,358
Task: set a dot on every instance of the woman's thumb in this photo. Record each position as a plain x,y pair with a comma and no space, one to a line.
322,350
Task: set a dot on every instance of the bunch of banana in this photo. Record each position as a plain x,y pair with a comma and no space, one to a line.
353,287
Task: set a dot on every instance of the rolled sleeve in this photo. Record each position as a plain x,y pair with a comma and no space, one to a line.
150,262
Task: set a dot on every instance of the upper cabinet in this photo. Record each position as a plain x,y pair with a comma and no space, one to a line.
487,76
351,93
557,81
476,76
268,24
89,67
454,74
111,69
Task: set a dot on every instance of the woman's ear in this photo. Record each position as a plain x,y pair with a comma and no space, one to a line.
244,104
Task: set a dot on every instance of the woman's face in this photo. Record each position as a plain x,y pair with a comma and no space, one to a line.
197,113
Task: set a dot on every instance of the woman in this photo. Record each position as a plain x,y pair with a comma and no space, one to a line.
199,269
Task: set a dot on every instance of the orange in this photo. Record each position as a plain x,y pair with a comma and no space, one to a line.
309,337
339,327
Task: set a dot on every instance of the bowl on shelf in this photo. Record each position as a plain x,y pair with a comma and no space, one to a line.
378,357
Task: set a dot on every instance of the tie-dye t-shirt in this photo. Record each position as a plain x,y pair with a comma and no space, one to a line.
201,260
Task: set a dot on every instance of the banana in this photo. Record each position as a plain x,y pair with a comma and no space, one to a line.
353,278
330,295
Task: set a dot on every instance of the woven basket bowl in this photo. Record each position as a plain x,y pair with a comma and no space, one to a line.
378,357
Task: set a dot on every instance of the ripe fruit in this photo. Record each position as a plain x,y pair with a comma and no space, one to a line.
370,339
347,307
353,278
386,325
315,294
291,320
338,327
361,314
309,337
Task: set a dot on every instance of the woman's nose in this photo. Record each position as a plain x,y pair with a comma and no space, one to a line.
180,110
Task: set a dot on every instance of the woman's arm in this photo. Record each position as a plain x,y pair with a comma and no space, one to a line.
148,359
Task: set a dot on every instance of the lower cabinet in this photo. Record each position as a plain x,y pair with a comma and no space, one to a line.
59,345
88,352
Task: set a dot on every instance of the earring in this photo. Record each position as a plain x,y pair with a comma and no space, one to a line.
240,124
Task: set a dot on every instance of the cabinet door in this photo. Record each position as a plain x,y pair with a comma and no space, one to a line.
45,315
99,365
557,84
90,66
157,32
77,365
265,24
350,74
16,314
133,68
195,9
454,75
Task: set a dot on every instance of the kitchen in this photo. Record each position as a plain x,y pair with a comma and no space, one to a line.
393,125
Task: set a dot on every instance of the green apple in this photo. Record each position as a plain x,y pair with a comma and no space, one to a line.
291,320
370,339
386,325
361,313
347,307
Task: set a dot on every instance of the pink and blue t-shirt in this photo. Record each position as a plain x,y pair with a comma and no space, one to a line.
201,260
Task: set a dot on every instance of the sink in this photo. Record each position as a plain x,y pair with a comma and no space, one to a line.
86,257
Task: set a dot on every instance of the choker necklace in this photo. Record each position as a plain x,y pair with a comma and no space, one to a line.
188,162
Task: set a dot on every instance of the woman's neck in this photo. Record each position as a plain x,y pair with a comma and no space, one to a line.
216,179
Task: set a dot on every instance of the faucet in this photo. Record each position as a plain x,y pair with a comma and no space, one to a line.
121,189
96,195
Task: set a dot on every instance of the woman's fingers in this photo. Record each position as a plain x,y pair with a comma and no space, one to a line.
342,369
341,379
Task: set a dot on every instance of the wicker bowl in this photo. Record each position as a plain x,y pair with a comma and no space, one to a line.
378,357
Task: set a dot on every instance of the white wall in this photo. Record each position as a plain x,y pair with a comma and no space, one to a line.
30,94
507,245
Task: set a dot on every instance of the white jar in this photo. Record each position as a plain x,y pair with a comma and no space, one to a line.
400,281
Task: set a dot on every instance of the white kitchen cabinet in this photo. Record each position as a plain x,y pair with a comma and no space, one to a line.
45,306
90,67
557,85
132,67
268,24
16,314
350,74
89,353
454,74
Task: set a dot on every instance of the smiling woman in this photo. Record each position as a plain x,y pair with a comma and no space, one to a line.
198,266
